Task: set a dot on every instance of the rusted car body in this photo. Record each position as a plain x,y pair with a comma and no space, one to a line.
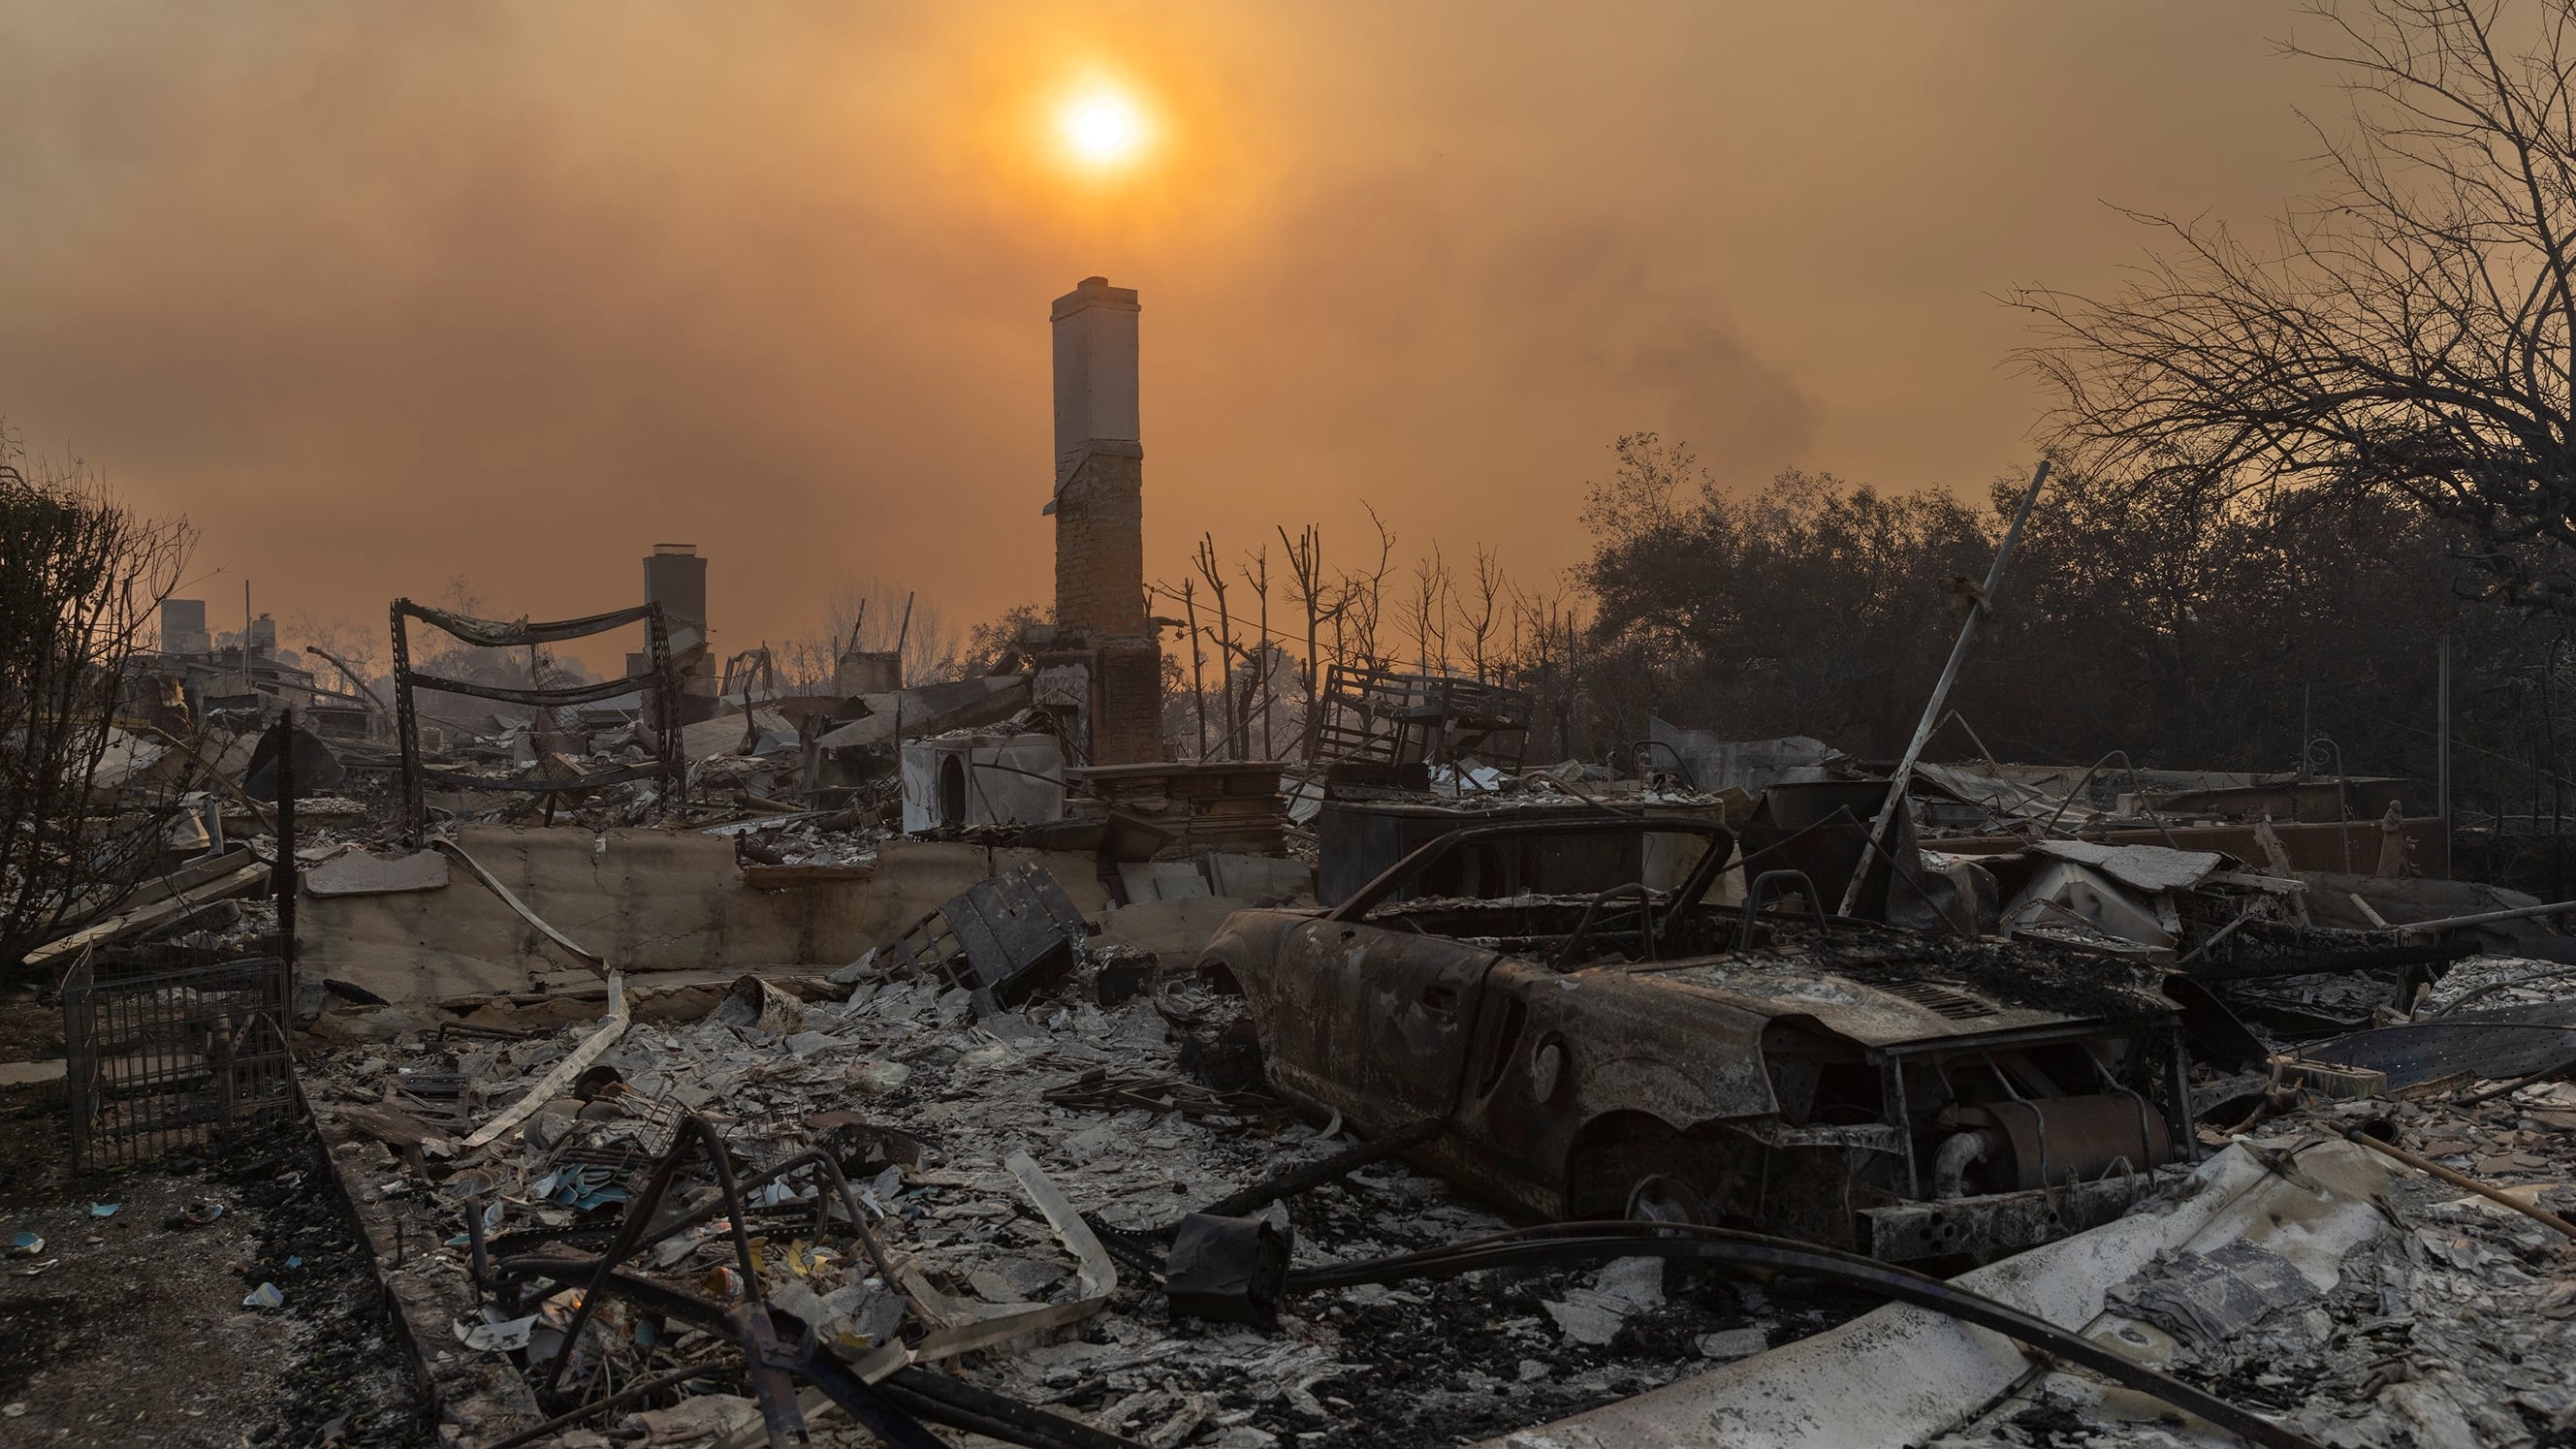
1643,1051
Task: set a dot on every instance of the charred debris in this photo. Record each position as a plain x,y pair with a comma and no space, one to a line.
707,1065
1176,1104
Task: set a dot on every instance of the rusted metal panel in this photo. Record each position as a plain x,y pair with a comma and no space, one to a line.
1556,1056
999,939
1872,1013
1372,1023
2311,847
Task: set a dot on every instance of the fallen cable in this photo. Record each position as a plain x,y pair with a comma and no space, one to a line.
565,1072
514,903
627,1395
1325,1169
926,1394
1568,1243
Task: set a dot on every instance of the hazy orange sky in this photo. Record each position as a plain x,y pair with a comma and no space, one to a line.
382,295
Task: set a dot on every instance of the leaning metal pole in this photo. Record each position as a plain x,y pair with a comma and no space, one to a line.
1940,694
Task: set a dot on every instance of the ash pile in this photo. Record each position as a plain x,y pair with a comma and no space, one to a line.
1042,1216
2272,1180
1409,1093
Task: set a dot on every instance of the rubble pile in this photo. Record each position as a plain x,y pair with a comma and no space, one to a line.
1407,1092
811,839
941,1124
2451,1326
969,1053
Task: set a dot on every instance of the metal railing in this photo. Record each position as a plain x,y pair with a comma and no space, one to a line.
160,1057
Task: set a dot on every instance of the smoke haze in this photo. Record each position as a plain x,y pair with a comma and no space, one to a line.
384,295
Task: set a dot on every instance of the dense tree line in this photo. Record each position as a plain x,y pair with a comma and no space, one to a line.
2190,631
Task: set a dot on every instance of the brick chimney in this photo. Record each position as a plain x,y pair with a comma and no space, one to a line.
1099,509
1099,463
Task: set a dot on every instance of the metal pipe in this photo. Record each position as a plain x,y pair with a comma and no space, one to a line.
927,1394
2329,963
2123,757
2461,1180
2214,937
627,1395
2343,797
2442,752
283,879
2519,913
1950,1163
2516,1085
1563,1244
1327,1169
1940,693
1679,764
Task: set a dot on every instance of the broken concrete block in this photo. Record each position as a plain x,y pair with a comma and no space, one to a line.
1588,1324
875,1077
1733,1343
30,1074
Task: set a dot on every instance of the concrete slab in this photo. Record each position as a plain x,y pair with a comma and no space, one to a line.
362,873
1161,880
30,1074
1175,931
1260,877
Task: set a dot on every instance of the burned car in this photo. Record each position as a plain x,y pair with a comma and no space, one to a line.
1642,1051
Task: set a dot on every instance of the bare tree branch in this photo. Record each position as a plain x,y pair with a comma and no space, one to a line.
2410,330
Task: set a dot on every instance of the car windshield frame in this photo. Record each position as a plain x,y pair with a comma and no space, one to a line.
1712,860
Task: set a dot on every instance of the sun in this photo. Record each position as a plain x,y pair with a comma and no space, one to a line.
1103,127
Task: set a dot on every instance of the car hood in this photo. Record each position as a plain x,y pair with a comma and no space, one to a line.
1888,1008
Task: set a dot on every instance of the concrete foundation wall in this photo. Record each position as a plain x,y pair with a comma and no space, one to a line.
649,901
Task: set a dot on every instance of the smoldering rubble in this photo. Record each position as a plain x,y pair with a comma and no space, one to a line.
703,1064
1060,1147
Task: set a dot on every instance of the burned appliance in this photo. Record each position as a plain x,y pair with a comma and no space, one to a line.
1002,940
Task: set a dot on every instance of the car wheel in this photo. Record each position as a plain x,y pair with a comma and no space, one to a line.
1663,1198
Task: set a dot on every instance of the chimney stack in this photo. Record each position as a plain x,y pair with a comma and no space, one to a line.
1099,508
676,578
1099,463
183,627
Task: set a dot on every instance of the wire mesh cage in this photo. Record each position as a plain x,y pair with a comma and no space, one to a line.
160,1054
